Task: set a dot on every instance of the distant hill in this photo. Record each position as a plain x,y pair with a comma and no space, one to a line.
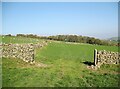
114,38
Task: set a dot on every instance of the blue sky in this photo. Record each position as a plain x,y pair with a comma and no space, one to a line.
98,19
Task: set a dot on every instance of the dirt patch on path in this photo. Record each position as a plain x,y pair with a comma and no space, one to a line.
41,65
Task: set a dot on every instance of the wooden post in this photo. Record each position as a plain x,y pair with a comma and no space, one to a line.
95,57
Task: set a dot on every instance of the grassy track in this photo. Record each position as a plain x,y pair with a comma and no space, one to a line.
66,68
75,52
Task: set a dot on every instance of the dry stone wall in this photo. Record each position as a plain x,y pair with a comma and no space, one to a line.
21,51
39,45
106,57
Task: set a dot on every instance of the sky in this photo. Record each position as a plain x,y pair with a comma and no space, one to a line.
94,19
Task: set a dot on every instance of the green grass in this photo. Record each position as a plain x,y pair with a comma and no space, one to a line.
66,68
75,52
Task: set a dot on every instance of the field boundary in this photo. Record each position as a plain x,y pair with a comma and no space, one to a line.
22,51
105,57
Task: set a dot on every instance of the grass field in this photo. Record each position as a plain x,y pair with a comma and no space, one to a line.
12,39
66,68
